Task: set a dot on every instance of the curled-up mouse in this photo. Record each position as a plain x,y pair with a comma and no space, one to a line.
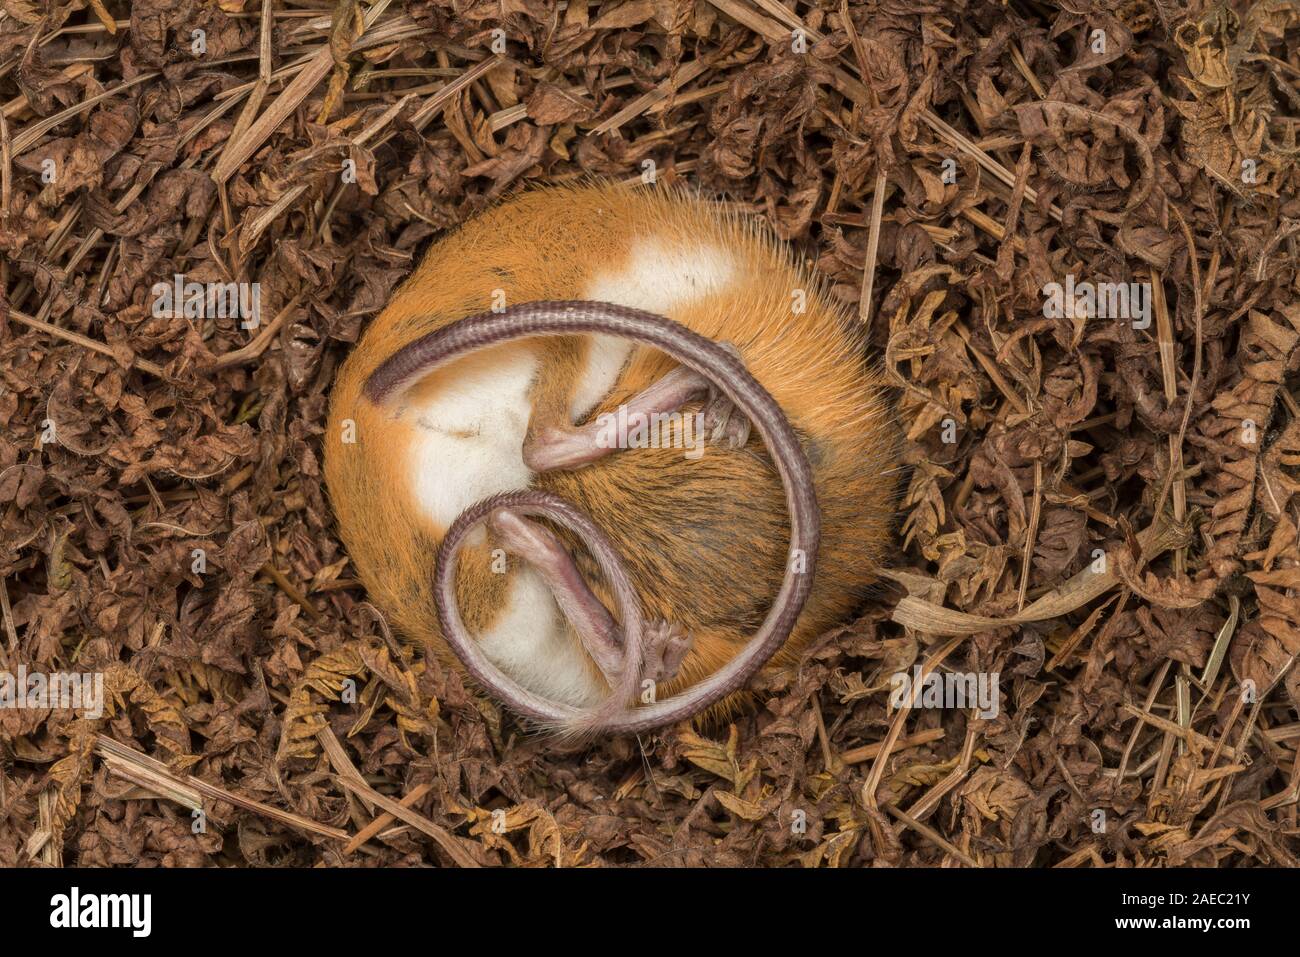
593,449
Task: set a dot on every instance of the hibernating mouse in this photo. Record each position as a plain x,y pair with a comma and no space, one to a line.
654,453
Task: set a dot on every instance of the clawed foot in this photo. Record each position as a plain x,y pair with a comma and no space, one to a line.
724,423
666,646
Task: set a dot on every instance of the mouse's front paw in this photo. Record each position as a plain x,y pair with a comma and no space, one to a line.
666,646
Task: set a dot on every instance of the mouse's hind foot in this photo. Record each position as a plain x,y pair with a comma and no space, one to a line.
666,647
724,423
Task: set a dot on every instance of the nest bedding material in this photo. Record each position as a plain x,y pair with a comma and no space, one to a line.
1102,513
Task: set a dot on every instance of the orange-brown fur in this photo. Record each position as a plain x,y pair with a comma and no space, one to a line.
704,541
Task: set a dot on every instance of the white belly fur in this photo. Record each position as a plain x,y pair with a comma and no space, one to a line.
471,446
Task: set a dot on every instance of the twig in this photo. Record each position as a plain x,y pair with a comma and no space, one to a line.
257,346
127,761
317,68
32,134
873,246
872,783
290,589
933,836
351,779
385,819
144,365
666,88
1031,534
869,751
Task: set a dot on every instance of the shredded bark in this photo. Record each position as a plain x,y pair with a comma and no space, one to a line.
1101,512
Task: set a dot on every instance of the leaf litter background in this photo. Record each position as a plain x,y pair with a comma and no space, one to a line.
1175,449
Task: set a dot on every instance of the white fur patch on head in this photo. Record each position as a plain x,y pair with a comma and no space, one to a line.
661,275
470,435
